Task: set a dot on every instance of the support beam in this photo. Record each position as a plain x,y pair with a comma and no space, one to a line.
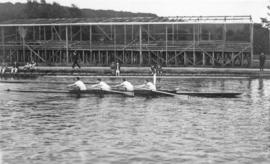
185,58
90,39
3,43
251,45
67,60
203,59
125,34
114,41
213,58
140,38
194,43
52,34
80,33
166,46
32,51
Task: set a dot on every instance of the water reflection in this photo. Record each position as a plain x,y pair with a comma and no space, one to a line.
49,128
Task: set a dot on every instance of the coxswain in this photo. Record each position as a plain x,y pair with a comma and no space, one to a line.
148,85
78,85
127,85
101,85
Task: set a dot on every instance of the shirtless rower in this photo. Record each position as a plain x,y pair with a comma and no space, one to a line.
101,85
148,85
127,85
78,85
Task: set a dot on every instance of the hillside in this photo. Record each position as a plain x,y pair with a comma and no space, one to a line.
33,9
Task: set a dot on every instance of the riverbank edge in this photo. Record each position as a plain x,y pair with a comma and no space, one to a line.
142,71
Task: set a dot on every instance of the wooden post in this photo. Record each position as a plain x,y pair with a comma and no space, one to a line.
213,58
80,33
83,56
185,58
3,43
10,57
107,57
166,46
232,59
173,34
114,41
90,38
224,42
132,33
203,59
175,58
125,35
39,32
71,37
140,37
67,47
44,32
194,45
242,58
34,33
52,34
148,33
251,44
17,55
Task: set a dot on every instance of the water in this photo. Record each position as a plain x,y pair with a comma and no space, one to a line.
56,128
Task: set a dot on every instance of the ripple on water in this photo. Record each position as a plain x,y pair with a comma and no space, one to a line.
50,128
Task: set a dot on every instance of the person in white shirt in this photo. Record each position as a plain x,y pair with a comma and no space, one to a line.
78,85
148,85
101,85
117,71
127,85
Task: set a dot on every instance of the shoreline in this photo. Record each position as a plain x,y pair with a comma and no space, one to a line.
141,72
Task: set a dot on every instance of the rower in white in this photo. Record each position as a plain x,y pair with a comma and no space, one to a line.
78,85
101,85
148,85
127,85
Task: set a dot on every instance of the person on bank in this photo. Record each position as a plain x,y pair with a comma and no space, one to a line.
117,71
78,85
148,85
262,61
15,67
75,59
113,68
101,85
126,85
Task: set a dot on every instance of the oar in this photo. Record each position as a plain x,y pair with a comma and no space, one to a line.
165,93
36,91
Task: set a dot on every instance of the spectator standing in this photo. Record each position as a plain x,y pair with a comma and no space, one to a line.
159,69
117,71
75,59
153,69
3,68
262,61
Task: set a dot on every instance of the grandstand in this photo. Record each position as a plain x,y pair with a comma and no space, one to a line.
224,41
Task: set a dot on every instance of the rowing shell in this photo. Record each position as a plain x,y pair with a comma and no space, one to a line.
139,92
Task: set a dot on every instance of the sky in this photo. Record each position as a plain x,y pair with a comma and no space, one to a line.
255,8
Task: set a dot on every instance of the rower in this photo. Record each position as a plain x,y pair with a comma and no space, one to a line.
148,85
127,85
101,85
78,85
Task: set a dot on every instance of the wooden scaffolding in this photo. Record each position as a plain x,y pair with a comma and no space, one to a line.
225,41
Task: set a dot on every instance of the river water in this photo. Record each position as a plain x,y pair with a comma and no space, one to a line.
57,128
